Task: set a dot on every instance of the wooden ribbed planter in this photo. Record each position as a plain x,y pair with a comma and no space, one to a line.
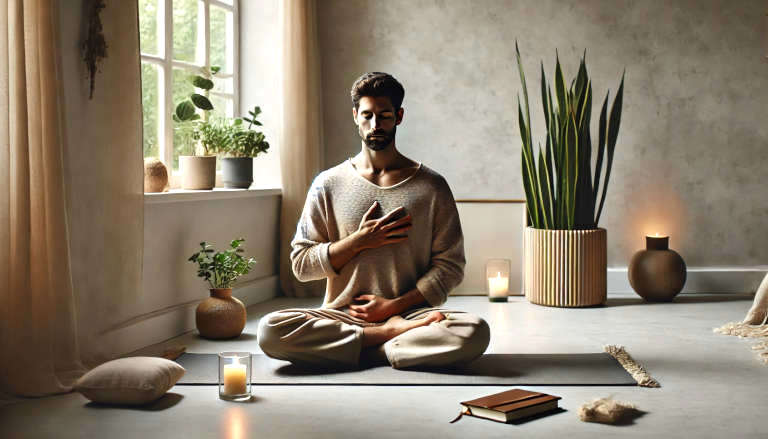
565,268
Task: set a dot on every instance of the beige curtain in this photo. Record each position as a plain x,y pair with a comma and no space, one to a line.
301,136
38,341
71,193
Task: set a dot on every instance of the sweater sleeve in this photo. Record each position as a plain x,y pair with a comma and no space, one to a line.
310,258
447,261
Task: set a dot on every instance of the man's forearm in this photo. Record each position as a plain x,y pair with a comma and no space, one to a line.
342,251
408,300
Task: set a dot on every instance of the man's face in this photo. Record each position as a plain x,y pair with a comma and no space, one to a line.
377,121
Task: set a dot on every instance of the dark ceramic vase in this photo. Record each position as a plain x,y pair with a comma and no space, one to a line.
237,172
657,273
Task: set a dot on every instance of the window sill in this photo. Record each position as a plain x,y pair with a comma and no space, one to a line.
181,195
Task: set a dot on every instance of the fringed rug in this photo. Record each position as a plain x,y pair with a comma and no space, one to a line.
745,330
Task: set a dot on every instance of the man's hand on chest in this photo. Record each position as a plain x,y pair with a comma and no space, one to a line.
374,233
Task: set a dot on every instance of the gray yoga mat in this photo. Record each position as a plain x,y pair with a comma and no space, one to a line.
593,369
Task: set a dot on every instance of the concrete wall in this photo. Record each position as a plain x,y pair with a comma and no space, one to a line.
689,160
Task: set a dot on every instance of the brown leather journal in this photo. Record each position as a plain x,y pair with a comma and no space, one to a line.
509,405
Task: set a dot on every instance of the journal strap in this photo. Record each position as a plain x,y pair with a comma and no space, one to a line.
461,413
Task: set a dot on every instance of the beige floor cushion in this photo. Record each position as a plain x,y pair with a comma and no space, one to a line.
130,381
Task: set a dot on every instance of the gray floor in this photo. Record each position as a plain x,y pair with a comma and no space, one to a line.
713,386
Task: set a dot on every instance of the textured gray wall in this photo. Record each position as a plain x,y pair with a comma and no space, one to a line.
690,160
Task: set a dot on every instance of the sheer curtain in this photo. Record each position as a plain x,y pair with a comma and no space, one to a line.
71,192
301,138
38,343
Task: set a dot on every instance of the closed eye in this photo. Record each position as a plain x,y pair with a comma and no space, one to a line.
368,115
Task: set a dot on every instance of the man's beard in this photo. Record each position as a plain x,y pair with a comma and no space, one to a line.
378,143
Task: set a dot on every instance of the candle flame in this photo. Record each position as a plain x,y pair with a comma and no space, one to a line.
498,275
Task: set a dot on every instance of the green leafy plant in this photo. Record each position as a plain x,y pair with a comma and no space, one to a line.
221,269
246,141
560,191
188,121
214,135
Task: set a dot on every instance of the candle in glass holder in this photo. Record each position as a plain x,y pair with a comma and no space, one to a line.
497,273
235,376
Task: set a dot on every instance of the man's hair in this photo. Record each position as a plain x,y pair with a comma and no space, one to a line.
377,84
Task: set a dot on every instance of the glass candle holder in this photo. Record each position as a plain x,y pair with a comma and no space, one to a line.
235,376
497,274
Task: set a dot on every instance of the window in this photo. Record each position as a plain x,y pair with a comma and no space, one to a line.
180,38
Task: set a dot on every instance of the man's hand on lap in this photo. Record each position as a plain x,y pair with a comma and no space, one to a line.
375,309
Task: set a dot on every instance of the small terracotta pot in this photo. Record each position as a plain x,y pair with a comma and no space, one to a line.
221,315
198,172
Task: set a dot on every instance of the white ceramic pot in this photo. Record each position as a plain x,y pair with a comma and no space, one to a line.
198,172
565,268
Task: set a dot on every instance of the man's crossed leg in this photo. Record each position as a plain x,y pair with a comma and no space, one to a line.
425,337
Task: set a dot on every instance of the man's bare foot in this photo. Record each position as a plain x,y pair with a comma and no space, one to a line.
400,325
396,325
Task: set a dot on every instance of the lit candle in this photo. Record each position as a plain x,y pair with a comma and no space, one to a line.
498,286
656,242
234,378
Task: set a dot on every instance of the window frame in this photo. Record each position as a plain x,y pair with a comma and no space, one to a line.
165,63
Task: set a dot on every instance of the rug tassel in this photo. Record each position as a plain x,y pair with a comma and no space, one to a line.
634,368
745,330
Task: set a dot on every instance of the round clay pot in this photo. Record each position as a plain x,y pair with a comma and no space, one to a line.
657,274
198,172
221,315
565,268
155,175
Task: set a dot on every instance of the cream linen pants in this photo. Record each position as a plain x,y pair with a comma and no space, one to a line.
330,337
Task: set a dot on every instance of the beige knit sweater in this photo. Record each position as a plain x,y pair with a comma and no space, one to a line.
432,259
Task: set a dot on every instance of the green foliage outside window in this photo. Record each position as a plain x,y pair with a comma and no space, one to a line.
149,103
186,15
185,31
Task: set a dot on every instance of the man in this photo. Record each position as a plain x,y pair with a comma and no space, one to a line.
385,232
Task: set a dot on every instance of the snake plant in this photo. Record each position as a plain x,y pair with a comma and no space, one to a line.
560,191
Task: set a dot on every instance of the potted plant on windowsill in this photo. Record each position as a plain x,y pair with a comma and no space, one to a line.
221,315
565,262
243,145
198,171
